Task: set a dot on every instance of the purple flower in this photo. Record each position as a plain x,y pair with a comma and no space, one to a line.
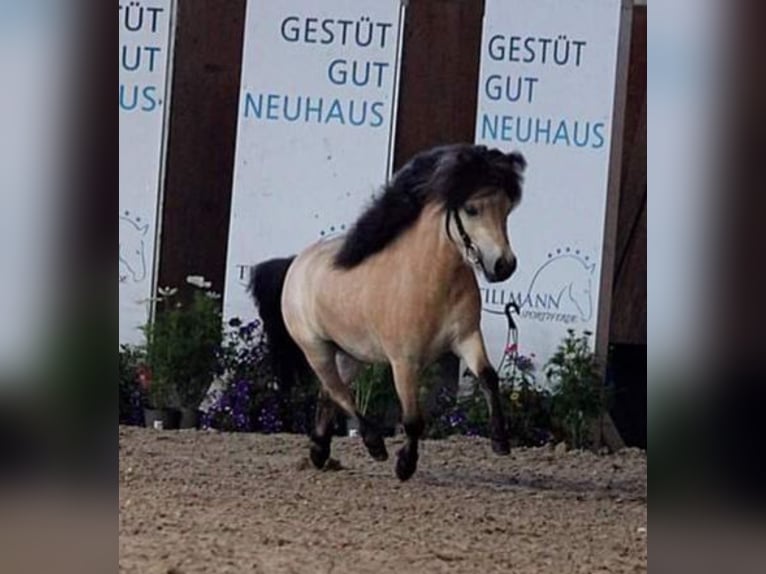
456,418
524,364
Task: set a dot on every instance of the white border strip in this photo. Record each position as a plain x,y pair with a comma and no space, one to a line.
163,156
395,96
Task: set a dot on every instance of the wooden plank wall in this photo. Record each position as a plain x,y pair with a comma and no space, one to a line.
628,320
440,73
203,125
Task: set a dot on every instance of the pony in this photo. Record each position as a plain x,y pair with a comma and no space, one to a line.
399,287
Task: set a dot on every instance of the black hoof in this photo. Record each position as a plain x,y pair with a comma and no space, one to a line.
319,455
377,448
319,452
406,464
373,440
499,436
501,446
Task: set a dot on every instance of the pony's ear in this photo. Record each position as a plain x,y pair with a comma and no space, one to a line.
517,160
513,160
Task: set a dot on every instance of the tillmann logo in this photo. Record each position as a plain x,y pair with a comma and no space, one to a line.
561,290
133,236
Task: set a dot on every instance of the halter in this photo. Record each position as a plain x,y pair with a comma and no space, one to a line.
472,252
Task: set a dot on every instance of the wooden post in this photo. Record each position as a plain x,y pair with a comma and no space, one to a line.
200,152
607,431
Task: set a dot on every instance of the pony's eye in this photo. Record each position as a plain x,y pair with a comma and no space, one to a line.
471,211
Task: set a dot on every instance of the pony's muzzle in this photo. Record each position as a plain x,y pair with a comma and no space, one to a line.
504,268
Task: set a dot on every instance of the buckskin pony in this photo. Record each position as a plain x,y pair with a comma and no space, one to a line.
398,288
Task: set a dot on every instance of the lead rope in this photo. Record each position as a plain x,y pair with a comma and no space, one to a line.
511,335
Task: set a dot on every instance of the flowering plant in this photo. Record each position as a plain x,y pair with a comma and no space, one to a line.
244,351
251,398
526,405
246,368
578,399
450,414
183,347
130,391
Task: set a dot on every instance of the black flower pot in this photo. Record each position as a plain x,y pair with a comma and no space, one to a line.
189,418
162,419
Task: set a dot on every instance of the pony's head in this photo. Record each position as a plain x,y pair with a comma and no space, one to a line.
477,188
480,187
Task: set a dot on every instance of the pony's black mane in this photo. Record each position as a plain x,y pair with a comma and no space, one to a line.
448,174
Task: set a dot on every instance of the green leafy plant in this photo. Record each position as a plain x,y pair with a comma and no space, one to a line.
183,346
375,391
578,396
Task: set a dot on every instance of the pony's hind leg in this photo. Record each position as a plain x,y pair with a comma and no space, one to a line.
326,411
406,381
472,351
321,437
323,361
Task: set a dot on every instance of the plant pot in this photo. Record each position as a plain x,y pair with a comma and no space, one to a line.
189,418
162,419
352,426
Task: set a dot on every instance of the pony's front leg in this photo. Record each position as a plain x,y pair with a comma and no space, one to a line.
406,381
472,351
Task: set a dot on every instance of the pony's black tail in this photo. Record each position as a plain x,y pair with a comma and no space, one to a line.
288,362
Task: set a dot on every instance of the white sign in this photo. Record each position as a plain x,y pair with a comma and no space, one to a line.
316,121
547,88
145,47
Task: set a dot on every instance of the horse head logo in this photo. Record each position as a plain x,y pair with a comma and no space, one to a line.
133,246
566,276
